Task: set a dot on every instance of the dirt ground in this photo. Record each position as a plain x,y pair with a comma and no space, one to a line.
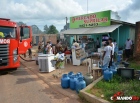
55,83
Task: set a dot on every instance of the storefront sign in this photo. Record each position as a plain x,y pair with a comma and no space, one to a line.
91,20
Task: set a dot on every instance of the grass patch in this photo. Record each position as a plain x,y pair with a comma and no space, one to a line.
108,89
135,65
105,90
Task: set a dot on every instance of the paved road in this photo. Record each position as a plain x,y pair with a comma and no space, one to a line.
22,86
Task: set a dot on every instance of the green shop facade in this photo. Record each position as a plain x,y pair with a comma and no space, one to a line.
98,24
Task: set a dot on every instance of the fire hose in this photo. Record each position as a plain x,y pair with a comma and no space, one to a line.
25,59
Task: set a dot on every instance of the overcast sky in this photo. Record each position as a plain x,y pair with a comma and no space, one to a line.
41,12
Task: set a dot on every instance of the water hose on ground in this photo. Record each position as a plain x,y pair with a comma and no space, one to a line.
25,59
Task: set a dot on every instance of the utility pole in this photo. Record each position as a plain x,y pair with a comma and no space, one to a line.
66,22
87,6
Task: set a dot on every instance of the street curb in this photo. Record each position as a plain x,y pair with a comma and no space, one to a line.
51,86
89,97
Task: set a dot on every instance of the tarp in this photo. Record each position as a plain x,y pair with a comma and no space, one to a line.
95,30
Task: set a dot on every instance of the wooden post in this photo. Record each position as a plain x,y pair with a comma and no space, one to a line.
137,39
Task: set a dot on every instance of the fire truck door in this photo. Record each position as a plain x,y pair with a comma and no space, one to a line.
25,39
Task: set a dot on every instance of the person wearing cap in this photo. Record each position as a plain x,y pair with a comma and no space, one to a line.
1,34
128,46
110,40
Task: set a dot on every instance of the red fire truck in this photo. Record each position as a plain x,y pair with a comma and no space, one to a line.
14,40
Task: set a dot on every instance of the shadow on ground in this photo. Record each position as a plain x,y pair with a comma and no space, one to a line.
25,80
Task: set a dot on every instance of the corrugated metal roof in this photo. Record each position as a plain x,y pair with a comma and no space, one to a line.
95,30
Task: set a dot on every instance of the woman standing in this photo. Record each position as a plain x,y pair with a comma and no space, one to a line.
50,51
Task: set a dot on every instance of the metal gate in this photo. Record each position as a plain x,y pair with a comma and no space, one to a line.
37,40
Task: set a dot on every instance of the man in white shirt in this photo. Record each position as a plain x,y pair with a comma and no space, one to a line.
128,46
110,40
107,54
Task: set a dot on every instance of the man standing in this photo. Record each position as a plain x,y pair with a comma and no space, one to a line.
110,40
59,48
128,45
97,43
107,54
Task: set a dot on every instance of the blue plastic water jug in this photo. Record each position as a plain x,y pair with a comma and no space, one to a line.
65,81
80,84
70,74
108,75
73,83
79,74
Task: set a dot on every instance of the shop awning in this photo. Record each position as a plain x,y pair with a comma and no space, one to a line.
95,30
75,31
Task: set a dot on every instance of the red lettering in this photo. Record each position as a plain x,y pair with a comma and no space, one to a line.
97,20
90,16
81,17
91,20
87,17
86,21
84,17
73,19
105,19
76,18
94,15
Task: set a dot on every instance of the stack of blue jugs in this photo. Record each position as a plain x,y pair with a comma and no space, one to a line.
119,56
73,81
113,68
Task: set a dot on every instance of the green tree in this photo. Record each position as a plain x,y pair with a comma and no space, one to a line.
20,23
52,30
46,29
36,30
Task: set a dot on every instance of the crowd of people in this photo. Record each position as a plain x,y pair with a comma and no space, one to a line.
109,51
50,48
108,54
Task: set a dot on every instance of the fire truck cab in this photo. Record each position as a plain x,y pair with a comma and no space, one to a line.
14,40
